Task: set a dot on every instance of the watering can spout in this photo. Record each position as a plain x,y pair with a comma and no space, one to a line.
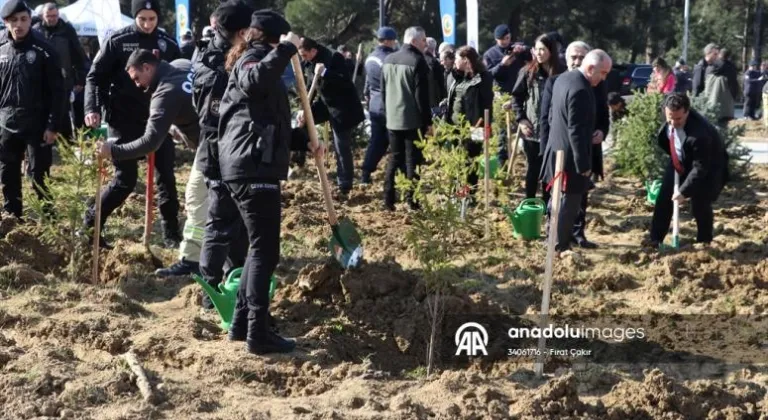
223,303
209,290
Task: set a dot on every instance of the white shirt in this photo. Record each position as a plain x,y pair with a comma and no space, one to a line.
679,134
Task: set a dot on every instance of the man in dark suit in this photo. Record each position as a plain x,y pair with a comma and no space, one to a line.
697,153
572,126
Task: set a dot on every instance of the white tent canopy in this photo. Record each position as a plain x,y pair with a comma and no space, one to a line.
83,16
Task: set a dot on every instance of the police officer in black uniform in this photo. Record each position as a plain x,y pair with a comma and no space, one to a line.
171,88
255,139
31,98
127,110
225,241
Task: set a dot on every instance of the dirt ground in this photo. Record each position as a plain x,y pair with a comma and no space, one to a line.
362,334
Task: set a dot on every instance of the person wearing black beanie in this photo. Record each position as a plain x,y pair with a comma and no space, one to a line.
207,246
255,139
109,89
32,102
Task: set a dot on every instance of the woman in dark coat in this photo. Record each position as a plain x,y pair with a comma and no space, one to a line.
526,96
470,94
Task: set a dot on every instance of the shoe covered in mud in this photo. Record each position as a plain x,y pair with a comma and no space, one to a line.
262,339
183,267
103,244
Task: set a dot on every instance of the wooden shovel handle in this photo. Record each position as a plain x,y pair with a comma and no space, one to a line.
309,120
149,196
97,220
358,57
313,88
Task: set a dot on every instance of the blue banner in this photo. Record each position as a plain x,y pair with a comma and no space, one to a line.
182,18
448,19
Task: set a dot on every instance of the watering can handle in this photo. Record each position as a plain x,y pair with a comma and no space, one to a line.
532,200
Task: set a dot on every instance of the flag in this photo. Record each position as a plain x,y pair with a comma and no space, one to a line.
448,18
472,25
182,18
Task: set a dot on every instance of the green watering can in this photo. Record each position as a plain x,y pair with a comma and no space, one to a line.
493,164
652,191
101,132
526,219
225,297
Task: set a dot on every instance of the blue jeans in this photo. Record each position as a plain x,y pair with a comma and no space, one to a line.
345,170
378,145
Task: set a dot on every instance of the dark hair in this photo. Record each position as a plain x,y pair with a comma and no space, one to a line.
725,54
614,98
140,57
661,63
675,101
552,66
474,58
309,44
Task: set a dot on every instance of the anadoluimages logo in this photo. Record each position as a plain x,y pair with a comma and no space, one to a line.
471,338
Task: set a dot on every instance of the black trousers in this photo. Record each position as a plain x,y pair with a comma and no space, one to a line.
535,161
403,153
127,174
701,208
751,104
39,159
474,149
570,205
259,205
225,242
581,219
378,145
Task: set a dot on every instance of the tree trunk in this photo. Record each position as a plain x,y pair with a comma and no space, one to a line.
745,40
651,34
757,47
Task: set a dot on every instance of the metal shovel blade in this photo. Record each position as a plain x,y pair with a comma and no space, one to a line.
345,244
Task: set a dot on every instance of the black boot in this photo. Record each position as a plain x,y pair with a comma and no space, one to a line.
262,340
171,235
183,267
238,329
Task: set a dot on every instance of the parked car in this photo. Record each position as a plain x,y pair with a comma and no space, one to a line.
640,78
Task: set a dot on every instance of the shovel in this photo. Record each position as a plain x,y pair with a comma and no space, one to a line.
345,244
97,221
676,215
149,196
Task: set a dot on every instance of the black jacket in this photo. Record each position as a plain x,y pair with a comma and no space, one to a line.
572,123
602,121
31,85
338,102
255,124
505,76
210,83
699,77
108,84
171,103
704,157
477,98
372,89
437,86
63,39
526,97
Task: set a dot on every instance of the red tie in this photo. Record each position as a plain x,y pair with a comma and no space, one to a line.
673,152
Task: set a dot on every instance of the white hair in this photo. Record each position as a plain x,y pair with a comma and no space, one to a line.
581,45
431,44
444,46
50,6
414,33
595,58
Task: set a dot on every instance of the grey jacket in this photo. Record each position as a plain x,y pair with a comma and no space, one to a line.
171,103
